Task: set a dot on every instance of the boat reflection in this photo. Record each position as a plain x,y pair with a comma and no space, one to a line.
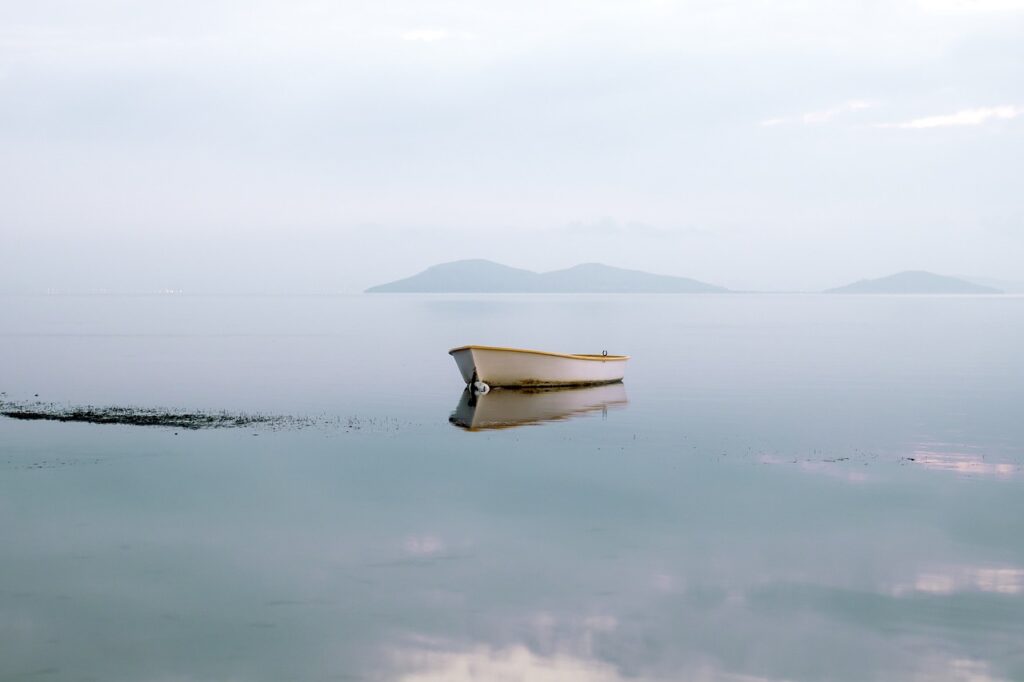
509,408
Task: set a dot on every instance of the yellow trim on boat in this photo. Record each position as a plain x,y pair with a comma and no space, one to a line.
583,356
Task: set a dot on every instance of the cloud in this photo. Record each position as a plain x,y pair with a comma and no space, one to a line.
821,116
970,6
426,35
434,35
611,228
967,117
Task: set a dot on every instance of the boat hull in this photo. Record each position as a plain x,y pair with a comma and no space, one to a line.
519,368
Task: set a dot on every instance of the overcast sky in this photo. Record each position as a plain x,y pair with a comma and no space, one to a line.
303,145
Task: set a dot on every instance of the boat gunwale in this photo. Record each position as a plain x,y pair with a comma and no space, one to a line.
573,356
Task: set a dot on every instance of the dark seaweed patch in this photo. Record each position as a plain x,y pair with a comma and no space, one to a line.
193,420
140,416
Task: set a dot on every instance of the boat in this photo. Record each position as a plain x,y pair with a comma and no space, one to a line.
520,407
486,367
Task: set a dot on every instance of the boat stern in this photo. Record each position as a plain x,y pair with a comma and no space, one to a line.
464,360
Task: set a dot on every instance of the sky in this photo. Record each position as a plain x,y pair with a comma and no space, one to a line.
311,146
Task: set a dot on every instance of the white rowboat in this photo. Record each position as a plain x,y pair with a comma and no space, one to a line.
493,366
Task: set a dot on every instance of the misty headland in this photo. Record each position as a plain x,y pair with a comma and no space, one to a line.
484,276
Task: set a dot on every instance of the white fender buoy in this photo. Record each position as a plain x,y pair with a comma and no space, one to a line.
481,387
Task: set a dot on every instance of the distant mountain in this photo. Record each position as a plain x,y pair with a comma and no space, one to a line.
1005,286
483,276
914,282
464,276
598,278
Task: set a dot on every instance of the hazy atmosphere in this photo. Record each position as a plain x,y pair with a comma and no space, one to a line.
439,341
327,147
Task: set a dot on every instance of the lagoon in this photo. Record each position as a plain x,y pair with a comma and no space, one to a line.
794,487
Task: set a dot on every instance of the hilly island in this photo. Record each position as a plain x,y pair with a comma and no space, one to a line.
914,282
479,276
484,276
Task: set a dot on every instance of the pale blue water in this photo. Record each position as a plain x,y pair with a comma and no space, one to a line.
798,488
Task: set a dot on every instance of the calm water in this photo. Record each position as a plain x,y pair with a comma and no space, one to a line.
785,488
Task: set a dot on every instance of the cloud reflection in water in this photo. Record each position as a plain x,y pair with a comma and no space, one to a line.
998,580
953,457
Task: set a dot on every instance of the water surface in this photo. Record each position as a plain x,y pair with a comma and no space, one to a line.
787,488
